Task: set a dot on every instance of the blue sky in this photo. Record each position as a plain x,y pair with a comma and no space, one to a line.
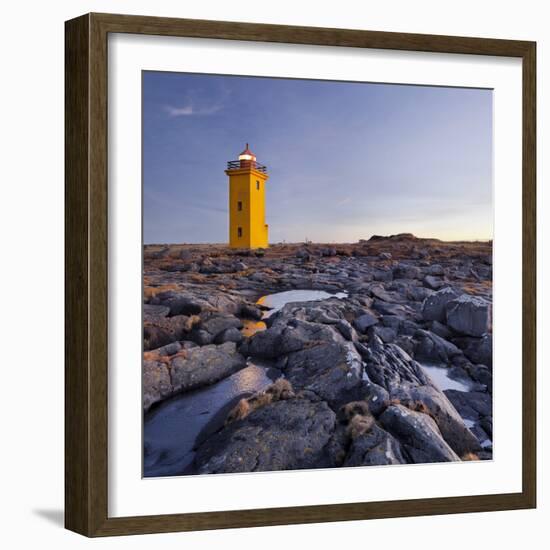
346,160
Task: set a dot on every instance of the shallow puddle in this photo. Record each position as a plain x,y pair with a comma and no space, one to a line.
440,377
278,300
170,430
250,327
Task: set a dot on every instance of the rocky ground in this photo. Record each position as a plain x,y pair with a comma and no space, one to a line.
354,391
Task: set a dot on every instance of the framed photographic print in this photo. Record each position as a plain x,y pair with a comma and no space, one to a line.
300,274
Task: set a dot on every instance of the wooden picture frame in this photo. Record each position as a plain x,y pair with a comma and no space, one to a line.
86,222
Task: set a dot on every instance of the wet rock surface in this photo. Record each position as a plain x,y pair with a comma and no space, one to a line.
375,448
285,435
418,434
402,303
188,370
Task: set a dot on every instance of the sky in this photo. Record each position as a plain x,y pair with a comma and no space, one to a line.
346,160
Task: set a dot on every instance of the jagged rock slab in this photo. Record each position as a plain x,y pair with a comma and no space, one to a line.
478,350
431,347
375,448
418,434
152,313
287,336
405,381
216,323
156,383
471,405
434,306
333,371
392,368
161,331
190,369
470,315
285,435
205,365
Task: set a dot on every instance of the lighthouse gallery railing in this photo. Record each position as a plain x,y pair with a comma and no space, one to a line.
242,164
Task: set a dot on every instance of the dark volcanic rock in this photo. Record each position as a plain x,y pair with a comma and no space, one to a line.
363,322
333,371
450,423
205,365
285,435
469,315
346,330
200,337
164,330
156,337
390,367
432,347
392,321
374,448
404,300
249,311
487,425
478,350
283,338
390,309
168,349
436,269
156,383
406,343
181,304
481,374
471,405
419,293
152,313
376,397
406,271
329,311
382,275
418,435
407,328
435,283
328,252
381,293
434,307
441,330
229,335
386,334
216,323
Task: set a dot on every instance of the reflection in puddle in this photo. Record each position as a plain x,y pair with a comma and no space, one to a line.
278,300
171,429
250,327
440,377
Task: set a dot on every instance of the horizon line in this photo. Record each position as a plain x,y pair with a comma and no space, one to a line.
310,242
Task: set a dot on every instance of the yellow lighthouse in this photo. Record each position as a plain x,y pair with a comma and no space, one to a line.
247,178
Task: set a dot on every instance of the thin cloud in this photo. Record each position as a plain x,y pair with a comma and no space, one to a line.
169,201
192,110
343,201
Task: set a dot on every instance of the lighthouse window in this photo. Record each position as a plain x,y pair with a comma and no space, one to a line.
257,185
239,205
239,232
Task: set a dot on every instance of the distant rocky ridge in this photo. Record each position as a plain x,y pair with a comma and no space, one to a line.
408,300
